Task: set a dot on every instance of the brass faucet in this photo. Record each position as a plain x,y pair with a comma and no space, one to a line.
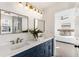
18,40
13,42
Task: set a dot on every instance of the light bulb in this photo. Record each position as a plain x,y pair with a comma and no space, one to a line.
20,4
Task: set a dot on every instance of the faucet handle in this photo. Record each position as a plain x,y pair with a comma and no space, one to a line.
21,40
12,42
17,40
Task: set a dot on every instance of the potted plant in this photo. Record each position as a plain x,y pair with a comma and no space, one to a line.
35,32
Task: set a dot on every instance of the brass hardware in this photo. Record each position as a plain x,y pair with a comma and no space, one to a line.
12,42
31,7
18,40
26,4
35,9
21,40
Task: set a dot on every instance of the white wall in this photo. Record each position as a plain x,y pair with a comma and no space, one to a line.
49,15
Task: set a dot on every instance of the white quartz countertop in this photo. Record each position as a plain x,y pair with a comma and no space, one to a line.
29,44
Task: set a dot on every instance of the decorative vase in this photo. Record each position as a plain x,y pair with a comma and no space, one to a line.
35,38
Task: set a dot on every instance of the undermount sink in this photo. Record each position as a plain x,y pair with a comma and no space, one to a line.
19,45
6,48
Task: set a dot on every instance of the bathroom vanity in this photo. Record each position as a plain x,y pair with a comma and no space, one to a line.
15,37
27,48
41,49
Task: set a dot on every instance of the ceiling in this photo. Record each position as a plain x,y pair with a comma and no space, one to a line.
42,5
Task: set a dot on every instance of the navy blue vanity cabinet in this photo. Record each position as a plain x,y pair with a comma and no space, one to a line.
42,50
27,53
48,48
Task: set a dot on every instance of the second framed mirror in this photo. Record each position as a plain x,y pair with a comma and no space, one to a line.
40,24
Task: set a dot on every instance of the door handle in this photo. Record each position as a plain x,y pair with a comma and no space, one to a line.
76,46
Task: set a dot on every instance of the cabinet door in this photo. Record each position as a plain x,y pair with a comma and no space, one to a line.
45,49
37,51
48,48
40,50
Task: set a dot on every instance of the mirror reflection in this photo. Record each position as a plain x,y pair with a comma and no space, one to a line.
40,24
31,23
12,22
6,22
17,24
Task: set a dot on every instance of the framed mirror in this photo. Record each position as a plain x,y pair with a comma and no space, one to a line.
40,24
12,22
6,22
25,24
31,23
17,24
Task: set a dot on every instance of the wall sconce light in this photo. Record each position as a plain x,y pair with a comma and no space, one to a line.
38,11
29,6
41,12
20,4
34,9
26,4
